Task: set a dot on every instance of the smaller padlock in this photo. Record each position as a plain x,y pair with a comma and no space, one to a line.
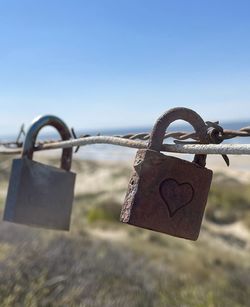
41,195
165,193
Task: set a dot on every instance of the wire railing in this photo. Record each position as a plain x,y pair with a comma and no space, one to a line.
182,140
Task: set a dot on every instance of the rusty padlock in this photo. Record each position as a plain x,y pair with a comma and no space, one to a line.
41,195
165,193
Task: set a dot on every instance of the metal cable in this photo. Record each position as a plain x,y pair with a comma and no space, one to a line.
235,149
216,133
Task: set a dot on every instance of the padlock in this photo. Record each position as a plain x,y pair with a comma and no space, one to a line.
167,194
38,194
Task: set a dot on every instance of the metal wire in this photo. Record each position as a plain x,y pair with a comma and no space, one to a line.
234,149
216,133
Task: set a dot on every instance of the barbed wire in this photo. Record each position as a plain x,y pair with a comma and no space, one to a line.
181,138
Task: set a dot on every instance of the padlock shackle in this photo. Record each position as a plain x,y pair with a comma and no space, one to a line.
36,126
180,113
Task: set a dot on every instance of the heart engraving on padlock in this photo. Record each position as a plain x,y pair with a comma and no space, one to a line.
169,194
176,195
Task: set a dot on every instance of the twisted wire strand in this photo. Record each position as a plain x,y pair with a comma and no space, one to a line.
224,149
139,140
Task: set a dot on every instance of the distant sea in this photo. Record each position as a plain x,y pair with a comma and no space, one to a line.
112,152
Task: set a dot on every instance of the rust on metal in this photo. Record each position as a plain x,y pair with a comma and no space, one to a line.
168,194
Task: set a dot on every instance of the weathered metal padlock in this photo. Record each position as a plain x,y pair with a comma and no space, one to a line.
165,193
41,195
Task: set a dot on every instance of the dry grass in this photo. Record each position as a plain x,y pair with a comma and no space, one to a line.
101,262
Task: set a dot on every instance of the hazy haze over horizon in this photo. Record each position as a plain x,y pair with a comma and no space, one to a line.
107,64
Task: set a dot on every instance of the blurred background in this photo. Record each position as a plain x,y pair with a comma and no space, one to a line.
114,67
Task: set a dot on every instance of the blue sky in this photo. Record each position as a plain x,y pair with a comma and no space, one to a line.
121,63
